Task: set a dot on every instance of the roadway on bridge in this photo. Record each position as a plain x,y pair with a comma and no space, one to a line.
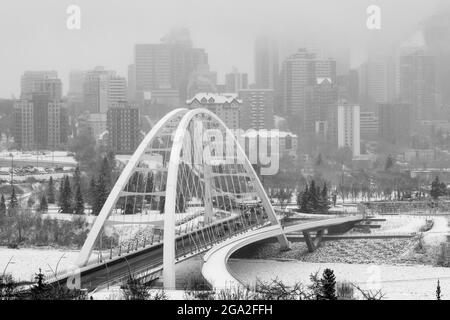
215,268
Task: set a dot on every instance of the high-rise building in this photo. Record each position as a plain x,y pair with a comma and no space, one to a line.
321,99
202,80
225,106
167,65
41,102
38,122
346,128
51,86
24,124
123,128
369,126
28,79
236,81
131,93
299,72
395,122
418,84
102,88
266,63
257,107
377,81
76,80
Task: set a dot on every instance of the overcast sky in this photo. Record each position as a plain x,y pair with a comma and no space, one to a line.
33,33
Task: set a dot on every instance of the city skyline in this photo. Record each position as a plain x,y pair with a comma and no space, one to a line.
103,41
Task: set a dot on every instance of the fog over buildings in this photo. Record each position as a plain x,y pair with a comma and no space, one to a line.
225,29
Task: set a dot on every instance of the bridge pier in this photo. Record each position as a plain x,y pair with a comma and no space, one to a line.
313,243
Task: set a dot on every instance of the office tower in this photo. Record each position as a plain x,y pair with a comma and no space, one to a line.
299,72
236,81
256,111
75,93
117,90
348,86
346,127
131,93
321,99
76,80
418,84
167,65
369,126
395,122
202,80
225,106
123,128
158,103
102,88
24,124
266,63
38,123
376,81
28,79
50,86
54,124
41,102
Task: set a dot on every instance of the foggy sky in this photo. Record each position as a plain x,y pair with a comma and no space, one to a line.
34,36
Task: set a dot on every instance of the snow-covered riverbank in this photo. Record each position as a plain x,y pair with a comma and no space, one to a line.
397,282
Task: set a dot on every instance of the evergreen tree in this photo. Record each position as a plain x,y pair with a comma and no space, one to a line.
30,202
66,196
149,188
2,205
323,200
43,206
92,191
436,189
162,203
180,203
100,196
77,176
13,202
61,193
304,200
438,291
299,199
328,283
106,173
79,202
389,163
313,199
51,191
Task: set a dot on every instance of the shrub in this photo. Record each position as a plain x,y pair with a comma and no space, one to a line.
345,291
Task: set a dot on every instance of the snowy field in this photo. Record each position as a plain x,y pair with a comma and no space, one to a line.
25,263
397,282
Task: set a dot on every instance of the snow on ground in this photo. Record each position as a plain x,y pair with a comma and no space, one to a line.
439,232
397,282
25,263
402,224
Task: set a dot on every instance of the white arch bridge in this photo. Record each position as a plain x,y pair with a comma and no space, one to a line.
187,187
